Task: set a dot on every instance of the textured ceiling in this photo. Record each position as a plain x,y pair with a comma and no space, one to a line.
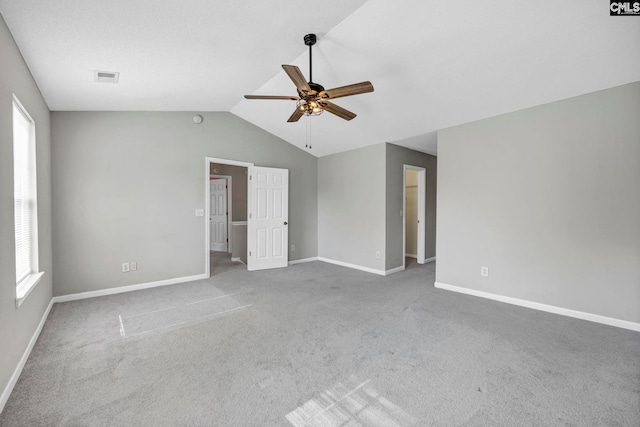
434,64
190,55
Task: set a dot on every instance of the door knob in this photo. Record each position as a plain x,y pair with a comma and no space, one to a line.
285,223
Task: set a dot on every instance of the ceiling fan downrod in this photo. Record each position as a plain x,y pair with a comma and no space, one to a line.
310,40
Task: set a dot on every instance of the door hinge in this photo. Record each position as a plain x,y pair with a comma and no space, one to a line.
227,240
249,253
250,177
250,216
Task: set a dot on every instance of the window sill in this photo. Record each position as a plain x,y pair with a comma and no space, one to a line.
26,286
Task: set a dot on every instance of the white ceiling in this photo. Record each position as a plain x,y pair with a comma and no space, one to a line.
433,63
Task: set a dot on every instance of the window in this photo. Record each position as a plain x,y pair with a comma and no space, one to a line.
25,202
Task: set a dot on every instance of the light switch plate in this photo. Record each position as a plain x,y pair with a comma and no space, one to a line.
199,212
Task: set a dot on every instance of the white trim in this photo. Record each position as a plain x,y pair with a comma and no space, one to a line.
239,223
300,261
237,259
624,324
227,162
26,286
354,266
207,194
129,288
411,255
394,270
429,259
23,360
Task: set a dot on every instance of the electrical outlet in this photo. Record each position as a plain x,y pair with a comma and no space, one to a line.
377,254
484,271
293,248
125,267
134,266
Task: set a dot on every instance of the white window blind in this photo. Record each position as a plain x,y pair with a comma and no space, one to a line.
24,191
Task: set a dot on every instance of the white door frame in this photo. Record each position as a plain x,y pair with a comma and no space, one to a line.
207,202
229,208
422,185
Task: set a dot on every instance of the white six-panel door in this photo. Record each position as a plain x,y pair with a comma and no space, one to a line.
218,215
268,231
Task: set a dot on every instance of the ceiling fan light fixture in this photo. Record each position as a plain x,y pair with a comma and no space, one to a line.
309,108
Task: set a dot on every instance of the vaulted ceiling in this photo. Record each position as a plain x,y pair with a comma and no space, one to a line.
433,63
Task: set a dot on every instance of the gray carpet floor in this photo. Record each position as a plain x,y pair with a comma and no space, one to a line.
220,262
321,345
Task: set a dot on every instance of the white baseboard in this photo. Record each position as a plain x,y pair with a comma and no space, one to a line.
130,288
625,324
300,261
426,260
394,270
354,266
361,268
23,360
237,259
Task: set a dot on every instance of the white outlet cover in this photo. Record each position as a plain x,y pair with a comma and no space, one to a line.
484,271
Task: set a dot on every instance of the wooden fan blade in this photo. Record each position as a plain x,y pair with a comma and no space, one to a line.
297,77
296,115
354,89
337,110
290,98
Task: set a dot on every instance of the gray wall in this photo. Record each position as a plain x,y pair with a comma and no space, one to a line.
239,249
396,158
17,325
238,176
549,199
112,205
351,214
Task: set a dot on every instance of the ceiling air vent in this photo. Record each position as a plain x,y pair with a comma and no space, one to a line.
106,76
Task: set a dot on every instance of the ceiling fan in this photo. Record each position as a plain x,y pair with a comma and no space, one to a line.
313,98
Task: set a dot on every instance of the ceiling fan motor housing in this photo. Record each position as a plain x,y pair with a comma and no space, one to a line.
310,39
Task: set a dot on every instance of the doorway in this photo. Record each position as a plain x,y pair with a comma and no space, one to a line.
414,207
220,255
257,227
